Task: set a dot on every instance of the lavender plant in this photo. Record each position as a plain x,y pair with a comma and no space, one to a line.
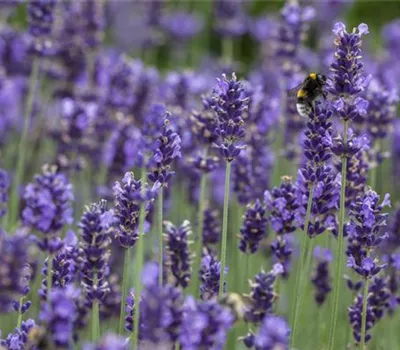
86,85
347,83
229,104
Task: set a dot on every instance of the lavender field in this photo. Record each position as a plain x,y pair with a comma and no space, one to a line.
194,175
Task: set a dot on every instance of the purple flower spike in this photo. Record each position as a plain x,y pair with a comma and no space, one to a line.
95,227
19,338
378,302
348,79
128,196
273,334
293,26
211,227
204,325
160,310
321,278
40,22
59,315
109,341
64,267
48,206
262,295
282,204
365,233
4,186
254,228
182,26
14,268
210,272
231,19
177,248
230,104
167,148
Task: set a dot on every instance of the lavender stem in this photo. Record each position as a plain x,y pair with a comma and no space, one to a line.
224,228
160,235
227,50
340,252
125,281
139,265
21,302
305,248
364,314
14,197
95,316
199,238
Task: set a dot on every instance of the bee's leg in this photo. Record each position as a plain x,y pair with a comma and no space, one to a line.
311,106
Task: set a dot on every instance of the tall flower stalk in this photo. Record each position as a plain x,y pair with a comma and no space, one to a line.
229,103
167,149
365,235
319,190
130,196
40,21
146,195
346,84
203,125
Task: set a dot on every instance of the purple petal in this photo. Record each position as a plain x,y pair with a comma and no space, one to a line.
363,29
339,28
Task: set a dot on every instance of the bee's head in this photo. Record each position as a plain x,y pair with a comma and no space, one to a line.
321,78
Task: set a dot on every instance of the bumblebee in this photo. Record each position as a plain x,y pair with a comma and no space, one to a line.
38,338
238,304
308,91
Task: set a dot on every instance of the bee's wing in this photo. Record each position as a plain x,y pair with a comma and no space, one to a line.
293,90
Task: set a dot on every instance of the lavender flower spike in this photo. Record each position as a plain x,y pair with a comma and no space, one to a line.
273,334
321,279
177,247
365,233
210,273
19,338
348,80
204,325
167,148
128,196
230,103
95,232
4,186
48,206
254,228
262,294
40,21
160,309
60,315
107,342
13,266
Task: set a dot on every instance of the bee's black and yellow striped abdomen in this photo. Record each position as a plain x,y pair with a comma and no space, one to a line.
301,93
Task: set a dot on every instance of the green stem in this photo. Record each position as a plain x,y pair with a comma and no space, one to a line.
49,276
19,321
14,197
224,228
139,266
95,317
340,252
364,314
160,235
228,50
124,292
305,248
199,237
